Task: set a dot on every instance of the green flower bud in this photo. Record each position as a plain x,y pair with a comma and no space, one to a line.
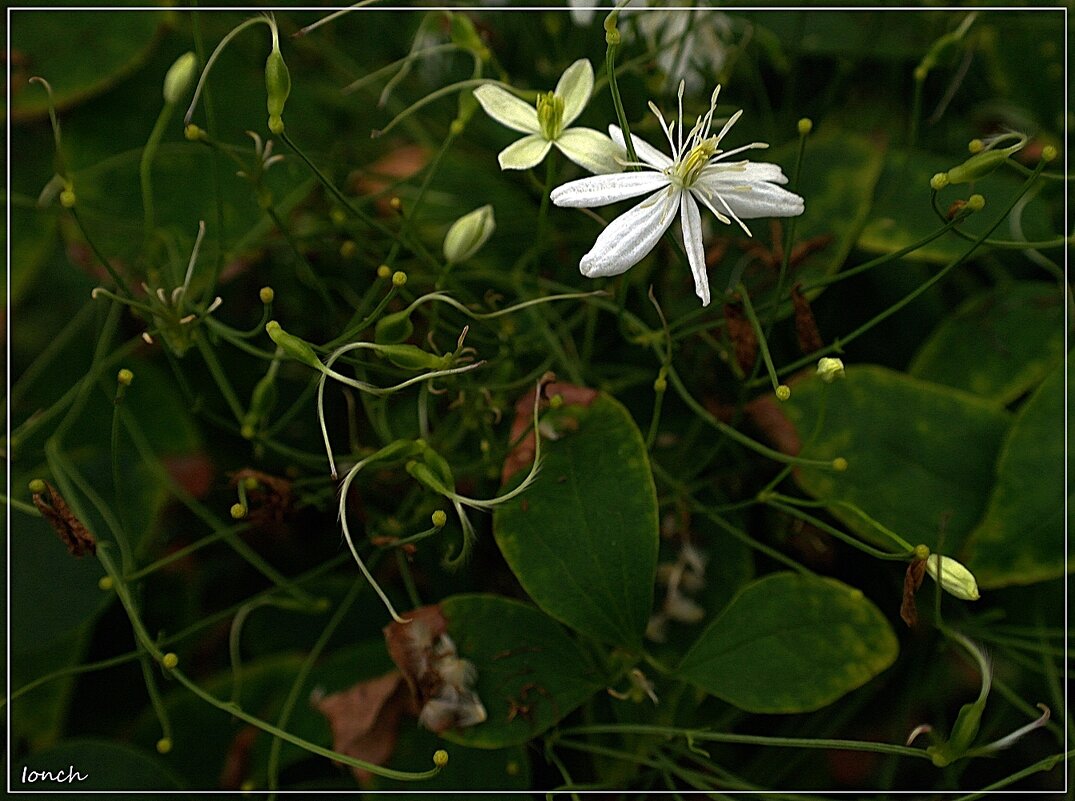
433,471
411,357
399,279
806,125
439,518
953,577
277,87
468,234
783,392
395,327
976,203
830,369
179,78
125,377
939,181
262,399
266,294
296,348
977,166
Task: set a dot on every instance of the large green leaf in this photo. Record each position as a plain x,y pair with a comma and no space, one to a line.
920,456
583,540
102,765
1021,539
998,344
525,660
791,643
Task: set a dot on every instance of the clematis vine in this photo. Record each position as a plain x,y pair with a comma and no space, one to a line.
546,124
697,172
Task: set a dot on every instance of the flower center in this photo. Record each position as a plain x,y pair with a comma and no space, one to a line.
687,169
550,111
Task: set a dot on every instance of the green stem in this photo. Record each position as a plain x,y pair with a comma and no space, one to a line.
832,530
145,169
1003,244
219,376
767,359
116,277
612,39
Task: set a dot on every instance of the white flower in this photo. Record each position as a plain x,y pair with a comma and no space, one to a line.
696,173
546,125
953,577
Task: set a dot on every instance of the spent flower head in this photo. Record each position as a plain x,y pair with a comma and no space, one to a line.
697,172
546,124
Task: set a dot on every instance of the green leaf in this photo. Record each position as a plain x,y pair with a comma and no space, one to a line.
791,643
902,213
837,179
105,766
523,658
1021,539
84,56
920,456
583,540
997,344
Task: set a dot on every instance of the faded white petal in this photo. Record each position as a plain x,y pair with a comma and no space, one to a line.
507,109
525,153
575,87
691,220
628,238
591,150
645,151
600,190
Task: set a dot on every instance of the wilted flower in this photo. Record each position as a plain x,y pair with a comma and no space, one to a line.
829,369
546,124
696,173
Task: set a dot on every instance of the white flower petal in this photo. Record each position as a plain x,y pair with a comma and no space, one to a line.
628,238
691,220
525,153
600,190
645,151
591,150
748,172
574,87
749,200
507,109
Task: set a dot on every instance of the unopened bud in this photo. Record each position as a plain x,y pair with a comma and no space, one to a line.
179,78
193,133
939,181
829,369
125,377
399,278
976,203
384,271
440,758
1048,153
953,577
783,392
266,294
170,660
67,198
468,234
805,126
277,87
440,518
296,348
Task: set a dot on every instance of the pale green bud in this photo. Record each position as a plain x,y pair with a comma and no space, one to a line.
829,369
179,78
953,577
296,348
468,234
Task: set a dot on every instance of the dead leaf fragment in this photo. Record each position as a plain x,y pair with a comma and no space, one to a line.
522,455
70,529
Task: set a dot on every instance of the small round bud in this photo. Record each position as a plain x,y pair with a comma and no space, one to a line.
276,124
193,133
440,758
67,198
839,464
37,486
1048,153
238,511
783,392
395,203
921,551
556,401
440,518
179,77
939,181
976,203
384,271
348,248
805,126
125,377
337,216
457,127
266,294
975,146
247,431
920,74
660,384
164,745
105,583
829,369
399,278
169,660
250,483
